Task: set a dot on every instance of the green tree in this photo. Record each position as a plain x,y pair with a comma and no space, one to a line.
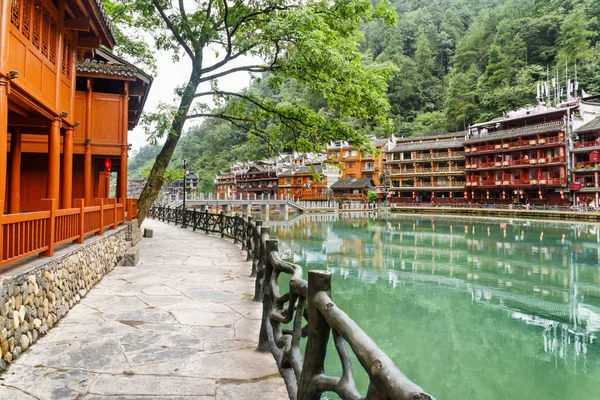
314,42
575,37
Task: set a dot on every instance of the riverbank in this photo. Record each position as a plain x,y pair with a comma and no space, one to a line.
494,212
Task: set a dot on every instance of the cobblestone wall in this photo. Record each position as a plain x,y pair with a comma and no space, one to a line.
32,301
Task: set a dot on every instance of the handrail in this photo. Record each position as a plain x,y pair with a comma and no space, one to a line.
27,234
308,307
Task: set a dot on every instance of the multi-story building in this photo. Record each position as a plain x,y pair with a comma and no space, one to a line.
518,160
357,163
63,124
585,155
427,169
225,185
306,183
259,179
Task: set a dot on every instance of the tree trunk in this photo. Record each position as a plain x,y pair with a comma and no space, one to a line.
156,177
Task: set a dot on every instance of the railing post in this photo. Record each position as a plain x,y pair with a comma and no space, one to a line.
1,230
249,231
258,266
81,204
263,337
318,336
114,201
129,209
194,219
101,231
51,228
122,216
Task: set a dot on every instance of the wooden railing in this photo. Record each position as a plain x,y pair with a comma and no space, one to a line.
302,309
515,144
533,162
27,234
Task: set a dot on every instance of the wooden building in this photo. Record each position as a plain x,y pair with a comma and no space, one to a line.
63,125
259,179
225,186
352,189
427,169
518,160
585,184
306,184
357,163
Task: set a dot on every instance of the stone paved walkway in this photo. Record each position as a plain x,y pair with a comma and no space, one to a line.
179,325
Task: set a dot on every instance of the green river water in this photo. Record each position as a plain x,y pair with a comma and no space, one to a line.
468,308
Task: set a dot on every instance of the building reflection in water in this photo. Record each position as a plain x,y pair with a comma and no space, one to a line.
545,275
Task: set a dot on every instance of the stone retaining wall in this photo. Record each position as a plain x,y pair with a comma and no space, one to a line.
35,298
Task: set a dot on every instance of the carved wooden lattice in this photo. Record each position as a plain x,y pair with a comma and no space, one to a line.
66,59
52,47
26,23
45,31
15,13
36,28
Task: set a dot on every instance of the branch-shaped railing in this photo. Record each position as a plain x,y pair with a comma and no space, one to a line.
302,310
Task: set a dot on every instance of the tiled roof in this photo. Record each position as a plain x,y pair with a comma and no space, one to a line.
352,183
432,136
428,145
512,133
310,170
106,68
106,19
379,142
593,125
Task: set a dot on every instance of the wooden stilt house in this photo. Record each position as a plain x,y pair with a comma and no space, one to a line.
65,110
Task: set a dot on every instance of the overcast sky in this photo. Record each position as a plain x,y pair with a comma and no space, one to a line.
170,75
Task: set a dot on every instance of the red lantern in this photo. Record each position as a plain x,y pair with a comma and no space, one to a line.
107,166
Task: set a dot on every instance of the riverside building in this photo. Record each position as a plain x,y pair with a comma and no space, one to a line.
427,169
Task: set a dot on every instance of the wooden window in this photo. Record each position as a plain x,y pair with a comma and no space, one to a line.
15,13
37,19
26,18
52,47
45,31
66,59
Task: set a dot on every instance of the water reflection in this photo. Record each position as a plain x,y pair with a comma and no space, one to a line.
544,276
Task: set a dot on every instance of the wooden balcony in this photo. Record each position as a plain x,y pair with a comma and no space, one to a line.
587,144
516,144
518,182
527,162
27,234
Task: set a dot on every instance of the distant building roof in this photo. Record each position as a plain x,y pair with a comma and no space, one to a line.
593,125
428,145
353,183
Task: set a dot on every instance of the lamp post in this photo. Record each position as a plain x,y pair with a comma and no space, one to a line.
183,223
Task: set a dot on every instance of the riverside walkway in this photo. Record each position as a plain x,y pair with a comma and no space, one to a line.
179,325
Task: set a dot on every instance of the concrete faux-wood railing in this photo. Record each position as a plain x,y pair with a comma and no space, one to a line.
26,234
308,307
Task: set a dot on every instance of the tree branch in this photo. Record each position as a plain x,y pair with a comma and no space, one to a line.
173,29
239,123
248,68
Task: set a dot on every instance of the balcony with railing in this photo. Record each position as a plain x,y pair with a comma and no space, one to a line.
586,145
28,234
586,166
426,171
523,162
433,185
517,182
514,144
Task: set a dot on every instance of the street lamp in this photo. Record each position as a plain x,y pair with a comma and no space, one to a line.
185,172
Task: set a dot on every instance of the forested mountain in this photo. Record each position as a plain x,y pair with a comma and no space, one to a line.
458,61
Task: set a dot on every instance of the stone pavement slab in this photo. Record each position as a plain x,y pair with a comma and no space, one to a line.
178,325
